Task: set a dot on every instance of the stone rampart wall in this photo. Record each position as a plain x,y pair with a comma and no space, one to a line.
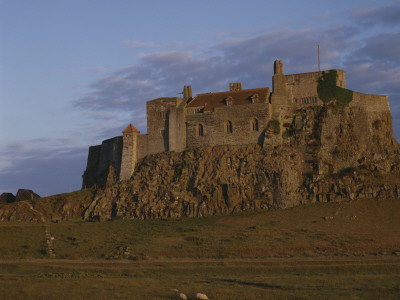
371,103
111,152
304,86
142,146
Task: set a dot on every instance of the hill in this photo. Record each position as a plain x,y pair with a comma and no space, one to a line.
319,250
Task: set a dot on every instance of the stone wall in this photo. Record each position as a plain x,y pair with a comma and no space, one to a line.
99,159
214,125
129,155
177,128
158,114
302,88
370,102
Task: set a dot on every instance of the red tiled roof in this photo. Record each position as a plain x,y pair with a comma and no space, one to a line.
130,128
211,100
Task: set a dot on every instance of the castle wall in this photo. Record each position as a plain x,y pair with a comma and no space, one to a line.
129,155
142,146
302,88
158,114
99,159
370,102
111,152
93,156
214,125
177,128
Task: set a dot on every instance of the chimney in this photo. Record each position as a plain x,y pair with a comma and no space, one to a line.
187,92
278,67
235,86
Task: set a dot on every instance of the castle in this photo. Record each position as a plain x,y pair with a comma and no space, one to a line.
234,117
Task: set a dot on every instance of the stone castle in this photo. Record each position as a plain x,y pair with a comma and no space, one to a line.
235,117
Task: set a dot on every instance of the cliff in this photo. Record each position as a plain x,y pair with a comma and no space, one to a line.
327,153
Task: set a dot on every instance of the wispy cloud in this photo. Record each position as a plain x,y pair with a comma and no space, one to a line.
371,63
136,44
95,69
388,15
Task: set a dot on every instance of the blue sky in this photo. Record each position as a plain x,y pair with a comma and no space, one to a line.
73,73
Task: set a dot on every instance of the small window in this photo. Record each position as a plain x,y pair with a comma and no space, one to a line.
254,125
199,130
254,98
228,126
198,110
162,132
229,101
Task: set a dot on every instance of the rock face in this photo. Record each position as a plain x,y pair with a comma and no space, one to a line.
327,153
23,195
7,198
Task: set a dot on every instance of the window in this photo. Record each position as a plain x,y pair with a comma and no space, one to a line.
254,125
228,126
198,110
162,132
254,99
199,130
162,114
229,101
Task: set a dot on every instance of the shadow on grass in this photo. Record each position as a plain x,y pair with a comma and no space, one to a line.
247,283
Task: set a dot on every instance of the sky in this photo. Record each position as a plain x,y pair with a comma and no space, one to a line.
73,73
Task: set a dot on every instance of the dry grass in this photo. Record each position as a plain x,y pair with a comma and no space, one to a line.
332,250
290,279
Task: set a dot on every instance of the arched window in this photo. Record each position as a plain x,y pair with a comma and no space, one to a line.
254,125
228,127
199,130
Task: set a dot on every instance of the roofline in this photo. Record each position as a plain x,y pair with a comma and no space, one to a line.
164,98
231,91
313,72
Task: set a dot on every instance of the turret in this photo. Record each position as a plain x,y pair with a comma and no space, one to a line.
129,152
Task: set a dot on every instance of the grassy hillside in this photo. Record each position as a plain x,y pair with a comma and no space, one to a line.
331,250
358,227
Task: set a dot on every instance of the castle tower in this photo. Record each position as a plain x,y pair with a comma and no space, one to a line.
129,152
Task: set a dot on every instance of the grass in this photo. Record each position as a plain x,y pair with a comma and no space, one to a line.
219,280
361,227
321,250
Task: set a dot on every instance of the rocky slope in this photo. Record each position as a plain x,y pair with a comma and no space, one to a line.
328,153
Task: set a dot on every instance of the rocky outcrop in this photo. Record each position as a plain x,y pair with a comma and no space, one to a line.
7,198
328,153
23,195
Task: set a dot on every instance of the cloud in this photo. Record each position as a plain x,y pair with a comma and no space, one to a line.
48,171
371,64
388,15
137,44
384,47
95,69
